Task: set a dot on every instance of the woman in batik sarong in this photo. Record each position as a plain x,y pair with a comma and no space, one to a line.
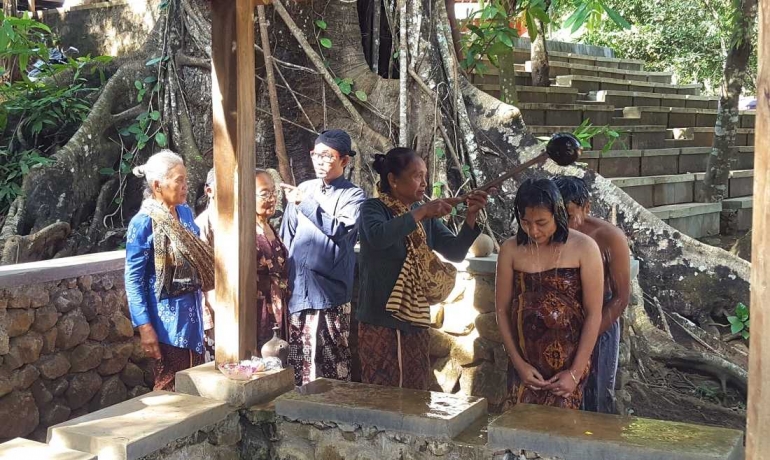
272,270
548,297
167,266
400,274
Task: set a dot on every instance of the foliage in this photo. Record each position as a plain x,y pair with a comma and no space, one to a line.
37,117
591,13
686,37
491,33
739,324
346,85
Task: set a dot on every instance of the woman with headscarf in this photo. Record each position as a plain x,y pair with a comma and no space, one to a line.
548,298
400,275
167,267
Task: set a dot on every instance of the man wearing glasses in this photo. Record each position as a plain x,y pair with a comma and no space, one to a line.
319,229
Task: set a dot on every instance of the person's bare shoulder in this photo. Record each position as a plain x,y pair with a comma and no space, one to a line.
581,241
610,236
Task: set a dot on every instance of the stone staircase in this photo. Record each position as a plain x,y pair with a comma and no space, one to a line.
665,130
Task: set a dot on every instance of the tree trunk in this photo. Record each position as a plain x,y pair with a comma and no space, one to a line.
10,7
539,56
723,149
482,135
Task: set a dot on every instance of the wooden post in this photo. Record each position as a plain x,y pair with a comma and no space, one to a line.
233,87
758,410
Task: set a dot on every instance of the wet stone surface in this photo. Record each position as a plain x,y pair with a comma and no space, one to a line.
582,435
421,413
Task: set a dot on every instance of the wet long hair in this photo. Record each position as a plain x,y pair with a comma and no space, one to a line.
541,193
395,161
573,190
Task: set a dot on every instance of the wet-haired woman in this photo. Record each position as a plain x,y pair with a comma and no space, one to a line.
548,298
400,276
167,266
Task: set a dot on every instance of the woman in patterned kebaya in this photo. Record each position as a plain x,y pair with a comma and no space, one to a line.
548,297
167,267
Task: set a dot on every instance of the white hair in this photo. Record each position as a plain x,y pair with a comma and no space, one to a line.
158,167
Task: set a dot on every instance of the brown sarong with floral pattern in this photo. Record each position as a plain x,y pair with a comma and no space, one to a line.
393,358
173,360
547,318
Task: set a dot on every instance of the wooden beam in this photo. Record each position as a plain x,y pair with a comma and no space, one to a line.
233,87
758,410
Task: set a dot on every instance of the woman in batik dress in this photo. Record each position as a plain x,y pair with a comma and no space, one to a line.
548,298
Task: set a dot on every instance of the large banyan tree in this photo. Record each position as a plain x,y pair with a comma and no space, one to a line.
324,57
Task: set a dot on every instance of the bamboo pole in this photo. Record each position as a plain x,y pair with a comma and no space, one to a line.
284,165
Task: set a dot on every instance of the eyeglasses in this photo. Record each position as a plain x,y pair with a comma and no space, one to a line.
267,195
323,156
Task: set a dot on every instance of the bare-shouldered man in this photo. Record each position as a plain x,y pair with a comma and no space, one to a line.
599,393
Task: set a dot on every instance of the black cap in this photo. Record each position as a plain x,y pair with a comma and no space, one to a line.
337,139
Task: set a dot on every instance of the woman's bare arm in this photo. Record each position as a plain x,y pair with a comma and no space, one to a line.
592,281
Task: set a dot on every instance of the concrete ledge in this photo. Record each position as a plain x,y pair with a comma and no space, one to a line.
139,426
651,180
58,269
743,202
24,449
483,264
675,211
419,413
579,435
206,381
660,152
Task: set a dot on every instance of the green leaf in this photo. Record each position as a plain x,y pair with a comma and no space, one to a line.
736,327
138,84
155,115
151,79
321,24
160,139
361,95
466,170
741,310
396,54
746,323
440,154
616,18
153,61
505,39
107,171
325,42
345,88
745,334
531,26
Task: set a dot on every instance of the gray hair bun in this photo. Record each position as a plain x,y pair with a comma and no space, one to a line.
139,171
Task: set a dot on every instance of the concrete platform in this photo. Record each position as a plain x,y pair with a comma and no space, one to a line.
206,381
586,83
139,426
420,413
737,215
565,114
622,99
558,68
631,137
579,435
24,449
693,219
682,117
658,190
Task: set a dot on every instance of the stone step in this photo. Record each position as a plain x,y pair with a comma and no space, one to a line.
139,426
631,137
535,94
565,114
622,99
25,449
704,136
423,413
736,215
696,220
493,79
565,68
695,159
653,162
740,183
522,55
580,435
682,117
662,190
587,84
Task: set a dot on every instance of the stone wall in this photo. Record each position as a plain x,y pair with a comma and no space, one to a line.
112,28
466,350
67,346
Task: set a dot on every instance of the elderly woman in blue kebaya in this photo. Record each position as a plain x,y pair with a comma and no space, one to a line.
167,268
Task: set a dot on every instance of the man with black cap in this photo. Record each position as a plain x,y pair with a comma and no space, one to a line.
319,229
